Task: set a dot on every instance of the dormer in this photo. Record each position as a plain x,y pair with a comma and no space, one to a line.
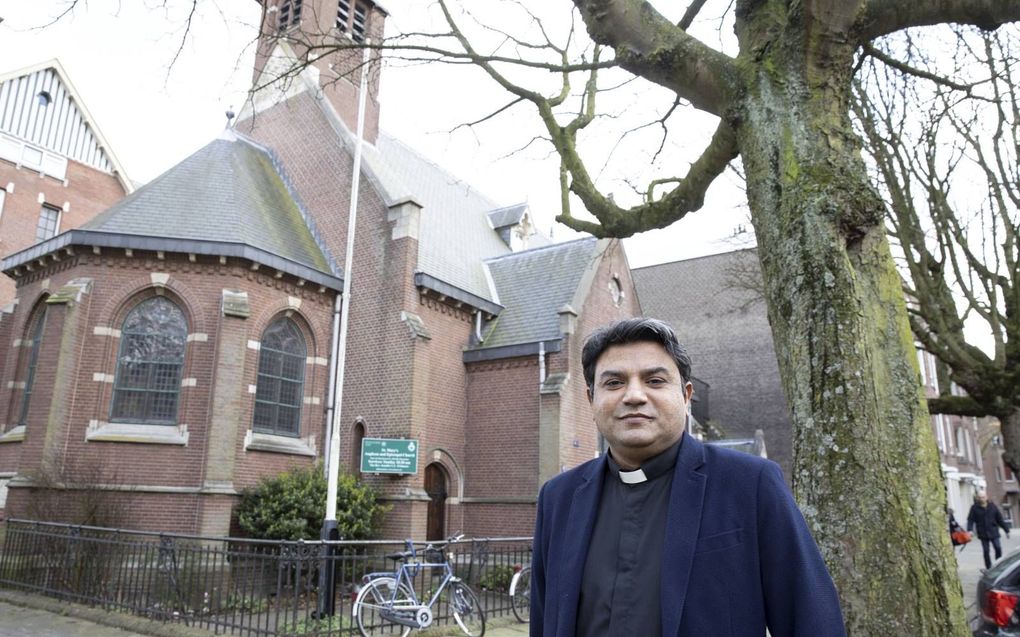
514,226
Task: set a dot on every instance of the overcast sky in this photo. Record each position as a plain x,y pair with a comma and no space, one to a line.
118,56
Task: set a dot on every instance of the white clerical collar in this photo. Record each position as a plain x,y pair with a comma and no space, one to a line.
636,476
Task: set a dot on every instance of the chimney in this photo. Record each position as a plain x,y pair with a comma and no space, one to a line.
307,25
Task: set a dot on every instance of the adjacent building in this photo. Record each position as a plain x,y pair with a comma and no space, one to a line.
717,306
57,170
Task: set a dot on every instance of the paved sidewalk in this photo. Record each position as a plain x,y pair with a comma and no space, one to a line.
507,630
19,621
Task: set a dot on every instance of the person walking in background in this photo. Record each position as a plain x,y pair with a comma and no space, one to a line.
986,520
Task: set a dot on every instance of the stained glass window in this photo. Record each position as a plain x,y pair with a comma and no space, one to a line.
149,365
281,378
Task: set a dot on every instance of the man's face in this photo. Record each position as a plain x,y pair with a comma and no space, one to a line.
639,401
982,500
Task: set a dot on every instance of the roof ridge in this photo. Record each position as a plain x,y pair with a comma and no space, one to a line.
703,256
437,166
551,246
278,166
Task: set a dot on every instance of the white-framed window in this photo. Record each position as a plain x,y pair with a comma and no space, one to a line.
961,442
288,14
360,22
49,223
343,15
149,364
353,22
3,195
998,474
279,391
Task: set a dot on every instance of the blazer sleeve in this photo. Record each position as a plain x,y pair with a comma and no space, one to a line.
537,620
1000,521
800,598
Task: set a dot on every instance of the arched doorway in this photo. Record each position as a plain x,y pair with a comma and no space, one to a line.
357,437
436,488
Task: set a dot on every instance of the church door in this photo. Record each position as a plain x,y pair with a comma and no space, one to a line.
435,487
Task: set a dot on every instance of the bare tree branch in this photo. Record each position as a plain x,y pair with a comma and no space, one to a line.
649,45
881,17
692,12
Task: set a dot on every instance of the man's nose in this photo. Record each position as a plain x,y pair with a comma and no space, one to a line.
635,393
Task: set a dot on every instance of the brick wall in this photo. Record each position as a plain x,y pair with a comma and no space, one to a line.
384,366
339,72
86,191
82,341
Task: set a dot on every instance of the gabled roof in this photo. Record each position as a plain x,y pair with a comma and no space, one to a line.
230,197
534,285
64,126
455,236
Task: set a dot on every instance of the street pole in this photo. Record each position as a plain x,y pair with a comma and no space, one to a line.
327,572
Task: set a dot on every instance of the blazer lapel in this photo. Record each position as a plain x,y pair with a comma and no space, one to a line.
683,521
576,539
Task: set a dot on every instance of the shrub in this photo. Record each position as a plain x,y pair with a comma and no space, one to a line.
497,578
292,505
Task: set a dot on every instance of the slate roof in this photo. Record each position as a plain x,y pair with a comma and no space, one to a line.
455,236
230,191
534,285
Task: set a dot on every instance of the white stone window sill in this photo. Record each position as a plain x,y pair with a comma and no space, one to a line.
146,434
16,434
255,441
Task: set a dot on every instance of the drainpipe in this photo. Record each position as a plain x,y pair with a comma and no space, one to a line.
330,407
541,363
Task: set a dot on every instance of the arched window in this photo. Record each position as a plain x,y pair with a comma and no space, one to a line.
148,382
281,380
35,334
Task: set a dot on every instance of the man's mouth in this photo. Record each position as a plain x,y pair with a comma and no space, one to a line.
635,417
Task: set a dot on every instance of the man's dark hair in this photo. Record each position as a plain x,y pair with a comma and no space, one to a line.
633,330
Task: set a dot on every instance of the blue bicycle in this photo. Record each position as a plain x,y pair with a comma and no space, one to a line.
388,605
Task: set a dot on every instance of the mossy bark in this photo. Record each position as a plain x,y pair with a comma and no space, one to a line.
866,470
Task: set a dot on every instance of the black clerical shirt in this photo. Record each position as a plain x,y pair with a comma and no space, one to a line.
621,580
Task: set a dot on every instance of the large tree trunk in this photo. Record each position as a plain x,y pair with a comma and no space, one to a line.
866,469
1009,426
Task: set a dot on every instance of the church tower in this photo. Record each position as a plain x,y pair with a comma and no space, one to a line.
326,35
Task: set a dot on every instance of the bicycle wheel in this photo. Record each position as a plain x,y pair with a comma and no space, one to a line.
465,609
520,596
375,597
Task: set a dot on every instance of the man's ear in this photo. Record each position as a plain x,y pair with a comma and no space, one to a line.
688,392
587,392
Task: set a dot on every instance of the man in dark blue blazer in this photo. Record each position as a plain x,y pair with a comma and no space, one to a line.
664,536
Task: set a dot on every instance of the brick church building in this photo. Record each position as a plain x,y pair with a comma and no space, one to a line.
180,345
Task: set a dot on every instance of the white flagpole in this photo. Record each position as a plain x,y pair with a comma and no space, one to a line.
329,526
345,310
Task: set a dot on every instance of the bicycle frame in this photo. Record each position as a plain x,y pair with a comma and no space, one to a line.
406,573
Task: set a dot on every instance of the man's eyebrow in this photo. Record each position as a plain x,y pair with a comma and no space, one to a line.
650,371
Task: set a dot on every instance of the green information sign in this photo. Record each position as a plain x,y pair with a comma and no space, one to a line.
389,455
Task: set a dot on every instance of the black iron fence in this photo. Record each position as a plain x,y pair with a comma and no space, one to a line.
231,585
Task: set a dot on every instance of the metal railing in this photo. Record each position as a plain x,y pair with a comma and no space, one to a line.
230,585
